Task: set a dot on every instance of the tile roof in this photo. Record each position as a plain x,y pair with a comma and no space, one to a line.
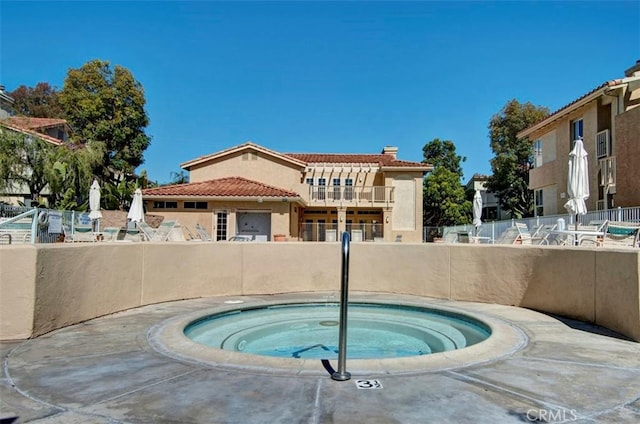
222,187
20,126
302,159
340,158
569,106
29,123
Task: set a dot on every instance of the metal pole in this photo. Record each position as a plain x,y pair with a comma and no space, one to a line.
342,374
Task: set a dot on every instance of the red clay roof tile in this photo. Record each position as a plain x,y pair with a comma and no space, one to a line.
34,123
222,187
379,159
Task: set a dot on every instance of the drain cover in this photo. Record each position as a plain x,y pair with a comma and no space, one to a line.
329,323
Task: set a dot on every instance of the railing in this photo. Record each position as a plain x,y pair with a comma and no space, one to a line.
38,225
331,195
608,171
329,232
495,228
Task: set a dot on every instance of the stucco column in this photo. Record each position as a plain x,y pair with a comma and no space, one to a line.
387,218
342,220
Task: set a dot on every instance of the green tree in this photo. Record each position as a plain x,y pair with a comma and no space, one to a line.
444,196
71,175
40,101
180,177
107,105
118,196
25,161
513,156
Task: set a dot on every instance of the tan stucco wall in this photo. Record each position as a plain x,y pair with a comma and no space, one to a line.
555,172
627,152
50,286
17,291
206,219
265,169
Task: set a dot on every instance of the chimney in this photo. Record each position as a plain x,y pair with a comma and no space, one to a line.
634,71
391,151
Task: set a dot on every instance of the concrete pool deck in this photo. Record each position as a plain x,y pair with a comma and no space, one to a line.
107,370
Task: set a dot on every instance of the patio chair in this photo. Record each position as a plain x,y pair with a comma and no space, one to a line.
621,234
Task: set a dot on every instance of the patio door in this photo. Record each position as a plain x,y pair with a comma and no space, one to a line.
220,219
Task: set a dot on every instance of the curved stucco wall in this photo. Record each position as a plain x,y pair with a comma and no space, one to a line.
45,287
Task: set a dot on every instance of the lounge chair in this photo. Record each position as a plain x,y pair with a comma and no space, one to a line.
110,233
204,236
162,232
524,236
621,234
509,236
176,233
147,230
542,235
450,237
80,233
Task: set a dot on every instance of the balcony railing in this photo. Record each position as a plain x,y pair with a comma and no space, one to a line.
608,172
348,195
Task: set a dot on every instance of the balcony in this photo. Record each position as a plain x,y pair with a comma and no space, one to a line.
350,196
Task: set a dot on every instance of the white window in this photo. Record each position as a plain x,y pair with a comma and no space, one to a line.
539,204
221,218
576,131
537,153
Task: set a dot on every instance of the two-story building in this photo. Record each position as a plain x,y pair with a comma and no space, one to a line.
52,130
251,190
607,119
6,104
491,209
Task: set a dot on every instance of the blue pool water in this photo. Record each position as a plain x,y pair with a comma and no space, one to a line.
311,331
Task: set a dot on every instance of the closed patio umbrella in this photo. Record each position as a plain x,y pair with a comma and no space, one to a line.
577,182
136,212
94,204
477,210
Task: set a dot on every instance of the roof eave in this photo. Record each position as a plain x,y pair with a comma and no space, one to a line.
288,199
407,168
563,112
203,159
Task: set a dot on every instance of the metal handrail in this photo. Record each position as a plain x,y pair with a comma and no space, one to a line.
342,374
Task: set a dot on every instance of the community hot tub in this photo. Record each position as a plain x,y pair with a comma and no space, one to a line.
306,331
383,337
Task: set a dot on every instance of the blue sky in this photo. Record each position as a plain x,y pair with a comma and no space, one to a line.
344,77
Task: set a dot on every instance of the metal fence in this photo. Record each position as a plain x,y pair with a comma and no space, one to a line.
495,228
19,224
329,231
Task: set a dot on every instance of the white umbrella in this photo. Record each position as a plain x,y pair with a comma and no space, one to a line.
477,210
136,212
577,182
94,202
